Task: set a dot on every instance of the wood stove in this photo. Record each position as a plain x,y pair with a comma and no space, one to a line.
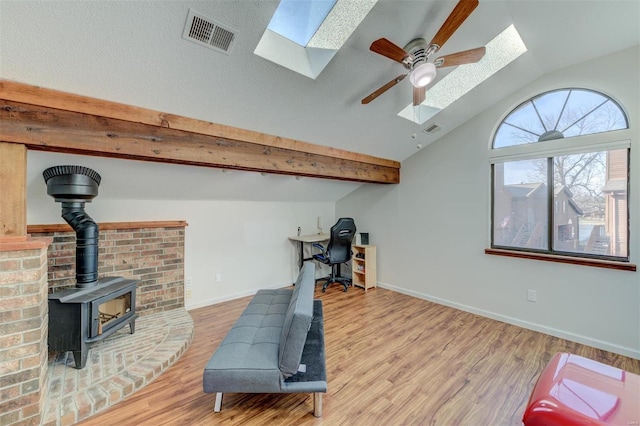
80,317
95,308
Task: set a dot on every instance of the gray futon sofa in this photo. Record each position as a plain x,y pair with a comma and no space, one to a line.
276,346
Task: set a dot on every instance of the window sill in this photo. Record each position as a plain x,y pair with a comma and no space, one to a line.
622,266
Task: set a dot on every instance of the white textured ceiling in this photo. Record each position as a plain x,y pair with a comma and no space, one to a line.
133,52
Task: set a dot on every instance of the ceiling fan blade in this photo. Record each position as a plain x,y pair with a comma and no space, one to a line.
419,95
383,89
466,57
386,48
459,14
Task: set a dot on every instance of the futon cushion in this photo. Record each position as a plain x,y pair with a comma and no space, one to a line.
247,358
297,321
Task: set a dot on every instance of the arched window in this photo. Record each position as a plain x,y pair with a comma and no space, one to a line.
555,195
560,114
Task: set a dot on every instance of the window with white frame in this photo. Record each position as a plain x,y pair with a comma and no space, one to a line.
560,177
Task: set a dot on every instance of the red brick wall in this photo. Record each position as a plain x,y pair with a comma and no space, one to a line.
23,332
153,255
28,271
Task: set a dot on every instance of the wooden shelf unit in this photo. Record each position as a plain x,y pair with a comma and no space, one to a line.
363,270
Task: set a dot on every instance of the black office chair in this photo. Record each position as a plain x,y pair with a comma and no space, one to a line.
338,251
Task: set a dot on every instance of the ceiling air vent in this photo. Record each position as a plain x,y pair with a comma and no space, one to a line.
434,128
208,32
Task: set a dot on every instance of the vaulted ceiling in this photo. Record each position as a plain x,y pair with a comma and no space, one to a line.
133,52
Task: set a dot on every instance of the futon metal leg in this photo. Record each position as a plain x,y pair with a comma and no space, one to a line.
317,404
218,405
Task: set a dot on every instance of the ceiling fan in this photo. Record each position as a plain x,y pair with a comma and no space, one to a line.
414,56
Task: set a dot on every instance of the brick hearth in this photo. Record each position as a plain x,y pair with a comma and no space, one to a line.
117,367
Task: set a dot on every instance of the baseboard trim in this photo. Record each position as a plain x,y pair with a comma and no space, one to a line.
209,302
600,344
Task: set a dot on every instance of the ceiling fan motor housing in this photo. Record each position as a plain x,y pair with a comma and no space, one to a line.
418,50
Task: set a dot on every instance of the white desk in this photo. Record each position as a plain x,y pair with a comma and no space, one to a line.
309,239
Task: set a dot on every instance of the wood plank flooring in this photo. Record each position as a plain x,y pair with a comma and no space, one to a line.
391,360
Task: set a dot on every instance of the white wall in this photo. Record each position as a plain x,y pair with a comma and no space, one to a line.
247,242
431,229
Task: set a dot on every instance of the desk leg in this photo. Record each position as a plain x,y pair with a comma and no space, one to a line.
301,259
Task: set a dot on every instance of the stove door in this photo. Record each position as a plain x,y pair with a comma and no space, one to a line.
110,310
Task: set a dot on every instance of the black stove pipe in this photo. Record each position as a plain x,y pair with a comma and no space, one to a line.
73,186
86,243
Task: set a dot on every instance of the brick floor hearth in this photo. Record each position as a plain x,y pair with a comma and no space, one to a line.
117,367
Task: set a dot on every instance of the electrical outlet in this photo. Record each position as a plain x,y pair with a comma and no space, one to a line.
532,296
219,277
187,284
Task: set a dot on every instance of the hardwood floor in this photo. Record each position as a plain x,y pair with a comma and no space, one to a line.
391,360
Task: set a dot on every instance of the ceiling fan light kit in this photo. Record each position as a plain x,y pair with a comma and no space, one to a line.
423,74
416,53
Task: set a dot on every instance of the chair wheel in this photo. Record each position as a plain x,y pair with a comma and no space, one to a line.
324,290
345,290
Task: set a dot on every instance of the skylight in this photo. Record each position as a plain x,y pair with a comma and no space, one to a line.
309,56
501,51
299,20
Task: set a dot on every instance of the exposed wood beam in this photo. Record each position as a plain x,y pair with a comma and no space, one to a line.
49,120
44,128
